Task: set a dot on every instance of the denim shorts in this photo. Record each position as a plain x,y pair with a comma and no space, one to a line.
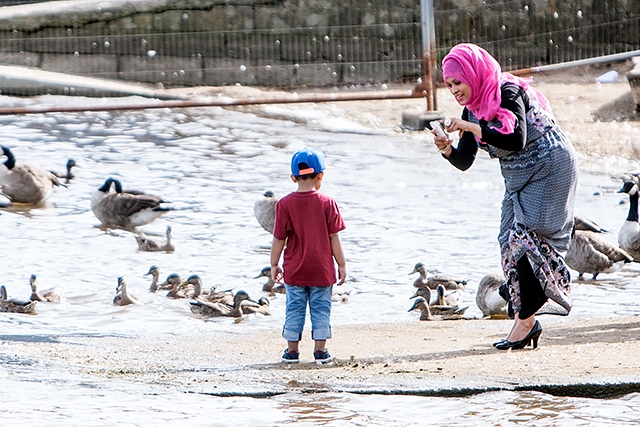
319,300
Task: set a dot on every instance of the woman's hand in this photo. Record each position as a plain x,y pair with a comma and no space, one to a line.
443,143
452,125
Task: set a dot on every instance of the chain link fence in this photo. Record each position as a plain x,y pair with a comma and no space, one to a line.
348,45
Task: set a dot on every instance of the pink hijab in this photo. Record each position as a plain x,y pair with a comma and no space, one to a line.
475,67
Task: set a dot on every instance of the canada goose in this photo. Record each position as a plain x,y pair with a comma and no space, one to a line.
270,286
14,305
154,272
265,210
51,295
150,245
68,175
432,282
5,201
488,298
445,313
25,183
629,234
125,209
582,223
590,253
123,296
261,307
215,309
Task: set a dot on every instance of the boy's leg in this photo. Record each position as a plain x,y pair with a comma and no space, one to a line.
296,310
320,311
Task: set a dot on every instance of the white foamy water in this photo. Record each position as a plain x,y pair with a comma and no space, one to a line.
402,204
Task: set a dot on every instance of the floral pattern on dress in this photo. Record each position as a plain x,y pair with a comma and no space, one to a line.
548,266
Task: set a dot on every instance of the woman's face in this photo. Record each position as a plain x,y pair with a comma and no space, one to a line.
459,90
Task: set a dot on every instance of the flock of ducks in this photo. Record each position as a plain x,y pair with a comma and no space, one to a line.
115,206
589,251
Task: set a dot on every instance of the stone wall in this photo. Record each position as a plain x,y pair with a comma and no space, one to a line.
287,42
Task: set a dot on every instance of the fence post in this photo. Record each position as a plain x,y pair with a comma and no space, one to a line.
420,120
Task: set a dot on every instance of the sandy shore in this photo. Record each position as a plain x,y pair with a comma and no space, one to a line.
577,356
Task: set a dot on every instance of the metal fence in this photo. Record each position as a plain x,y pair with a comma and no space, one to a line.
519,33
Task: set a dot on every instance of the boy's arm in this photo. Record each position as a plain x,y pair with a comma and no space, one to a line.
276,250
338,254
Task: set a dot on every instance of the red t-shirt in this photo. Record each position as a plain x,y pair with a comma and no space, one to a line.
305,220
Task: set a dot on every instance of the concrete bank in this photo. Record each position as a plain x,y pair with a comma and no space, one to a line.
594,357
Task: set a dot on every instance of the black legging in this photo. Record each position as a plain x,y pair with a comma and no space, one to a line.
532,296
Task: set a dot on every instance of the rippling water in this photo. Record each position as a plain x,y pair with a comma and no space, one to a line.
401,201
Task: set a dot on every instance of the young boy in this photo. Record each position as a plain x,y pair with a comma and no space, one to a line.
308,222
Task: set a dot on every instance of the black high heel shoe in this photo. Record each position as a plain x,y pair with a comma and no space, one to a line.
533,335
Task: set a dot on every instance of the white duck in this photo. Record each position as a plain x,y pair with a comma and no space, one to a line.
23,183
629,234
125,209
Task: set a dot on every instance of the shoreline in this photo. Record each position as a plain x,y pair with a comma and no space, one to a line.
589,357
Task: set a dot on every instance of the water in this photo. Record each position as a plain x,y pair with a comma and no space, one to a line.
402,204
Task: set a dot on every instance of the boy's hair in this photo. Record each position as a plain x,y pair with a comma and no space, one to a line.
302,166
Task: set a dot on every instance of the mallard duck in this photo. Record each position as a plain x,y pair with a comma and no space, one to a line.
261,307
629,234
216,309
271,286
590,253
154,272
68,175
445,301
52,295
14,305
150,245
432,282
445,312
488,298
125,209
25,183
123,296
176,286
265,210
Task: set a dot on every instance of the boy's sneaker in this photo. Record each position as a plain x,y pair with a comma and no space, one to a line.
322,356
290,357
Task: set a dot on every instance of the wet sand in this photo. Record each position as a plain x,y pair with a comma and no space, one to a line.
575,356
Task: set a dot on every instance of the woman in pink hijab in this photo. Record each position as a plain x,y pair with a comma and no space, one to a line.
513,122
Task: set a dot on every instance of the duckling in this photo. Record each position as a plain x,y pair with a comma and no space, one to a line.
629,234
52,295
270,286
261,307
123,296
68,175
150,245
214,309
432,282
590,253
488,298
125,209
265,210
446,313
154,272
14,305
25,183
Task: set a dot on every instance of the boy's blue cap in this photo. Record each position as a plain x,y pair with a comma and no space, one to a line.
313,158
